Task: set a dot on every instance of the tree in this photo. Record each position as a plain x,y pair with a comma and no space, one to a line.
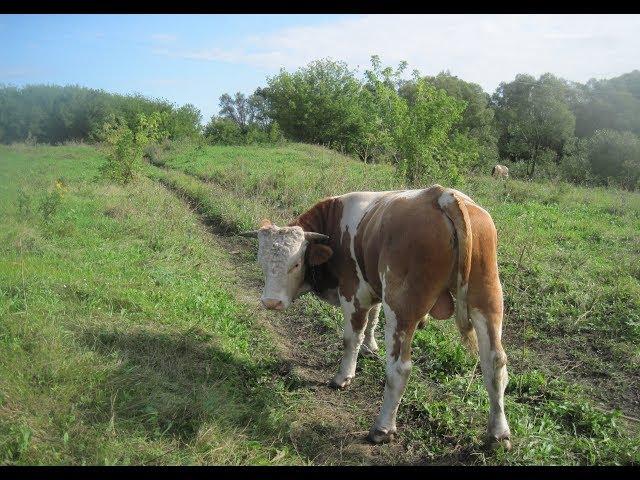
430,147
534,119
477,120
615,156
223,131
612,104
319,103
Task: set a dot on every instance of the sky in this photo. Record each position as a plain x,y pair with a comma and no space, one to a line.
196,58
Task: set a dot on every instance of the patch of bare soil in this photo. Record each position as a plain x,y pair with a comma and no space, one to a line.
331,425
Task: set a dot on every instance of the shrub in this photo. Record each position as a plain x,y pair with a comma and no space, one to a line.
125,146
51,200
222,131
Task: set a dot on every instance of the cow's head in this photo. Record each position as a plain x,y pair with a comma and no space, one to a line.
284,254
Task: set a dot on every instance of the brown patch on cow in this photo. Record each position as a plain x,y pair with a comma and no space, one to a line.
359,317
443,308
324,217
318,254
348,273
397,344
485,290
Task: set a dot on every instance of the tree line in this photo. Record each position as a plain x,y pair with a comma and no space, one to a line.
55,114
438,127
442,126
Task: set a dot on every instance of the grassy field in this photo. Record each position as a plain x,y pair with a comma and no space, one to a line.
130,331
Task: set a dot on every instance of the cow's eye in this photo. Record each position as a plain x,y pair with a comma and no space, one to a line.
294,267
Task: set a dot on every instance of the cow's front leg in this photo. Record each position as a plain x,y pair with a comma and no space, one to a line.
355,319
370,344
398,335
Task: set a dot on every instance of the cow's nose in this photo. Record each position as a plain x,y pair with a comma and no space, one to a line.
273,304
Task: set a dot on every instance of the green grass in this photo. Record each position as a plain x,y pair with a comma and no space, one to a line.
572,311
126,338
119,339
569,256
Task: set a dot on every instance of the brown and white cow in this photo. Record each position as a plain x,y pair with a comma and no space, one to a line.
408,251
500,171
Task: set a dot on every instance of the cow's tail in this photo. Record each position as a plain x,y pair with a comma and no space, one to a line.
452,204
493,170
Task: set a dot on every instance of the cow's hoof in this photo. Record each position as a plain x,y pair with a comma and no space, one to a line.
369,352
339,383
495,443
378,436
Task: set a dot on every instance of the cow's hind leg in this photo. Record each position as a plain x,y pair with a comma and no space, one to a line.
493,361
355,319
370,345
398,335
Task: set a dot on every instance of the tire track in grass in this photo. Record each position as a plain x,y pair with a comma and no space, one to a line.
331,425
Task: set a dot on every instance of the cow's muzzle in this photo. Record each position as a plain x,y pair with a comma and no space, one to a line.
273,304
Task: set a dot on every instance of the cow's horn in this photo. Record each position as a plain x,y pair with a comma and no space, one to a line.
315,236
250,233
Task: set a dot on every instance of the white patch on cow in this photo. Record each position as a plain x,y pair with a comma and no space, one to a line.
397,374
370,331
465,197
352,342
495,377
279,249
409,194
355,206
446,199
397,371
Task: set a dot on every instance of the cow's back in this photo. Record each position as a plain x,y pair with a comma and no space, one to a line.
406,232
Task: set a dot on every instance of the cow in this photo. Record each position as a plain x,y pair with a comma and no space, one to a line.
409,252
500,171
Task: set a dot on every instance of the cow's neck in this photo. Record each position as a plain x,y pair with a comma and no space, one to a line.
324,217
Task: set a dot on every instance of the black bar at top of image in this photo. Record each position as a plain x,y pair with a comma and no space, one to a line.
310,7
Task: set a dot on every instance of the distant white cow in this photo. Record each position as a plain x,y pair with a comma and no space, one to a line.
500,171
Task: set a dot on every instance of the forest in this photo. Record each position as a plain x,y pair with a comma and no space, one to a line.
440,126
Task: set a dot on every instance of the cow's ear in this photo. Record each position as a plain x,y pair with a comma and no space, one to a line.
318,254
265,223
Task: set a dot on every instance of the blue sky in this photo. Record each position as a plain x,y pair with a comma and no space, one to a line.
196,58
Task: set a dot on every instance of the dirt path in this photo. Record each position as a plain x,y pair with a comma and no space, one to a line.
331,426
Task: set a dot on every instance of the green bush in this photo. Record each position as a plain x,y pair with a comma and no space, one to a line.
126,146
325,103
222,131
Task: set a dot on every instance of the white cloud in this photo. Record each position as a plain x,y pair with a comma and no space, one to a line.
485,49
